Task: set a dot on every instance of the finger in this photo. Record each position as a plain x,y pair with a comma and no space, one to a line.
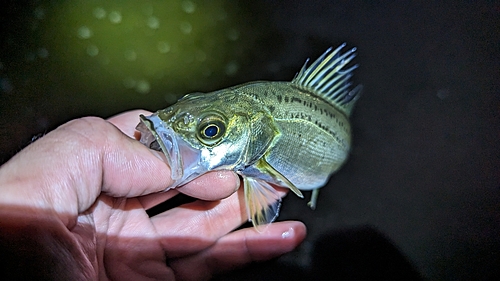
127,121
239,248
151,200
212,186
201,222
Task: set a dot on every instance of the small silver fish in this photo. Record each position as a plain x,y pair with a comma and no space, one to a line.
290,134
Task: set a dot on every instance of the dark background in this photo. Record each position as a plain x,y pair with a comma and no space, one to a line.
420,194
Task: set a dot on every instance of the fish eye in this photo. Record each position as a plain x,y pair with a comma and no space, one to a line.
211,129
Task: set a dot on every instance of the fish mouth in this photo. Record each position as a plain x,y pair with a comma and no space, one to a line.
184,160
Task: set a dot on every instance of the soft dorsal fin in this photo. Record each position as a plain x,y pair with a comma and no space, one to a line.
327,78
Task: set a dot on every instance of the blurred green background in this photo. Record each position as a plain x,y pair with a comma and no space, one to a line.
65,59
419,196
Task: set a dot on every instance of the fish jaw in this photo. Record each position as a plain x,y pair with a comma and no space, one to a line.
184,160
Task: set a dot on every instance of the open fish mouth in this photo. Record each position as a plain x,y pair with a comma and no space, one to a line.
184,160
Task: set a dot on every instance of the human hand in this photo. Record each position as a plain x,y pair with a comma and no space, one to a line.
73,207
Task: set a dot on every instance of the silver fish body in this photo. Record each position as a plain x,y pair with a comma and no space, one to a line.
291,134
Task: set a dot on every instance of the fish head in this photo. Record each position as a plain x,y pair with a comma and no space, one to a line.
196,135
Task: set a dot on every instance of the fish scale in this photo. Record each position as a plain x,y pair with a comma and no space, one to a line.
290,134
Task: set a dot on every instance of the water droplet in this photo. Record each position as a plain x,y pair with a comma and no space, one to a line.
130,55
153,22
142,87
231,68
129,83
92,50
115,17
233,34
39,13
85,32
43,53
163,47
188,7
99,13
186,27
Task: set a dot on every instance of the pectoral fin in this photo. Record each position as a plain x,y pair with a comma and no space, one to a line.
262,201
265,167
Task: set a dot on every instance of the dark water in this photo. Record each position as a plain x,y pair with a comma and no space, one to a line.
420,195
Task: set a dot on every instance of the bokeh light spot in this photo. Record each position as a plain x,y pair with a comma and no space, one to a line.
92,50
188,7
142,87
233,34
99,13
231,68
186,27
85,32
130,55
39,13
6,85
115,17
163,47
153,22
42,53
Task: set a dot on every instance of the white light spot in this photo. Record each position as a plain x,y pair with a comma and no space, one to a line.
130,55
142,87
85,32
92,50
233,34
153,22
99,13
129,83
115,17
186,27
43,53
39,13
163,47
231,68
287,234
188,7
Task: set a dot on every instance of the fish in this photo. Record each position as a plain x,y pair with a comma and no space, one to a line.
271,133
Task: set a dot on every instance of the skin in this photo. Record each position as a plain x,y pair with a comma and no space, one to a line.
73,206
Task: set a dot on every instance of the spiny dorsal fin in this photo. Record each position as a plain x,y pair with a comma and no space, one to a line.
326,78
